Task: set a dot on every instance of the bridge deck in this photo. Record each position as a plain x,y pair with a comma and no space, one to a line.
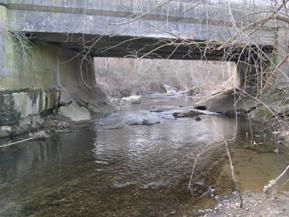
132,27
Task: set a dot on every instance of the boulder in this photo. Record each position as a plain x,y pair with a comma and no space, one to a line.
74,112
142,118
5,131
131,100
40,135
186,114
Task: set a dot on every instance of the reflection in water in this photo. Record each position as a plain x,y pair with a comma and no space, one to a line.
19,161
125,171
35,166
25,158
153,154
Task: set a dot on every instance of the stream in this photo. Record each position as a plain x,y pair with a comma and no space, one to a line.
113,169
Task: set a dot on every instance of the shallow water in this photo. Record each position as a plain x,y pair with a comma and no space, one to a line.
111,169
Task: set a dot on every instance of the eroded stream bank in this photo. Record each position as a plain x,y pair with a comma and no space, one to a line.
114,169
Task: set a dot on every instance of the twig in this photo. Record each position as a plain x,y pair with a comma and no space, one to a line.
237,184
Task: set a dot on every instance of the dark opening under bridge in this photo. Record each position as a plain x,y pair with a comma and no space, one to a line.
49,45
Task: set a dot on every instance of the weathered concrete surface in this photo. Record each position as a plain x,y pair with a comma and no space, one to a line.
137,27
34,80
76,78
3,27
282,50
33,75
228,102
121,28
136,18
99,28
220,102
41,65
21,104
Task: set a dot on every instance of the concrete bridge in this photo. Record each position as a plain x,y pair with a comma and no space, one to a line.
48,45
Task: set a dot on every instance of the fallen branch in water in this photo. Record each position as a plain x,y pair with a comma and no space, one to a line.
272,188
33,136
14,143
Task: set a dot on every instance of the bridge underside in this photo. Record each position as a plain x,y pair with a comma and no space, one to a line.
145,47
65,35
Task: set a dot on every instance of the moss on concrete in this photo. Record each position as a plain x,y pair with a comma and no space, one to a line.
15,106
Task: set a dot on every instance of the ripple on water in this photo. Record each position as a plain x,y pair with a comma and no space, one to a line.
116,170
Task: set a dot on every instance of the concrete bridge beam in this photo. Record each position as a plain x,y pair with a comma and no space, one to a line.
3,36
282,50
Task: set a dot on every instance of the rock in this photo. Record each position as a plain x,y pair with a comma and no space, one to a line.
185,114
203,108
5,131
173,212
198,118
125,92
131,99
40,135
166,115
160,109
143,118
147,122
75,112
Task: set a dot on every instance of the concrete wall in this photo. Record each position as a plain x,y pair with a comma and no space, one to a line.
34,75
3,28
35,78
32,85
282,50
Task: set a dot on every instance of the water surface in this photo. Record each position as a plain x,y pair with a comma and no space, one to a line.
111,169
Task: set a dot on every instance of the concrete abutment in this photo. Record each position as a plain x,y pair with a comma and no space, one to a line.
3,36
36,76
